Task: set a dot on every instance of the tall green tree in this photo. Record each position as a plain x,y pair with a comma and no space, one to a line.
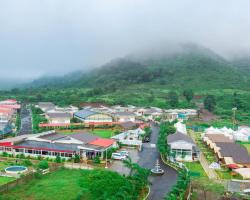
188,94
210,102
173,99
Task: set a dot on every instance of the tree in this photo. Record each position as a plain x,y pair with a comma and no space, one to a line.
188,94
173,99
210,102
236,101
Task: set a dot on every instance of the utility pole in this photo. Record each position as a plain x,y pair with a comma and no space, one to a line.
234,117
106,167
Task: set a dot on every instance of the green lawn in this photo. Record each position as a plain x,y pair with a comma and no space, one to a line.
4,180
67,184
104,133
196,170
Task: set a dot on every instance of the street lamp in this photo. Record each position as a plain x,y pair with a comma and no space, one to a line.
234,116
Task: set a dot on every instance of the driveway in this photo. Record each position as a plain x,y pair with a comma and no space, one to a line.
118,165
160,185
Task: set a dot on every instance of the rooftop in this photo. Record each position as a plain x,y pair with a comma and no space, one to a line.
236,151
179,136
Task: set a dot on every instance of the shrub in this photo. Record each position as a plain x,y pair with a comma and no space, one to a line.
43,164
97,160
76,158
39,157
5,154
22,156
27,163
58,159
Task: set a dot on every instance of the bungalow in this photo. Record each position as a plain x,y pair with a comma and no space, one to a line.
89,116
182,147
52,144
58,118
231,153
212,139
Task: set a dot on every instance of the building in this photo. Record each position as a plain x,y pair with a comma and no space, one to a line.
89,116
181,128
58,118
242,134
231,153
130,137
182,147
124,116
46,106
212,139
52,144
185,114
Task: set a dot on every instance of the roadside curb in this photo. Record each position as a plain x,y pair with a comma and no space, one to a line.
149,190
170,165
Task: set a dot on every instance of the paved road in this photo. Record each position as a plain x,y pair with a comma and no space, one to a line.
147,158
160,185
26,121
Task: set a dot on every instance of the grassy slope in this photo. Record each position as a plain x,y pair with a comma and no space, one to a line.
67,185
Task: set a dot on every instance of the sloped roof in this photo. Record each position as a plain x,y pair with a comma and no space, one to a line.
84,113
179,136
84,137
124,114
218,138
59,115
102,142
128,125
236,151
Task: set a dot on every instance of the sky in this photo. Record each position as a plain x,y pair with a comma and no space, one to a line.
54,37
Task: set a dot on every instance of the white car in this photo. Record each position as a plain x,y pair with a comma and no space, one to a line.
118,156
124,153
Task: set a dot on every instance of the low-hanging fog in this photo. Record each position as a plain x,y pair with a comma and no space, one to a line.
53,37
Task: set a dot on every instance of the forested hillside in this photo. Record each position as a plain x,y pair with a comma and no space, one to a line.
192,68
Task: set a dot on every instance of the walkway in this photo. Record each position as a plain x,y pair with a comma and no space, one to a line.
211,173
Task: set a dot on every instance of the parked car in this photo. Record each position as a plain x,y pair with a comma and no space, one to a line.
146,139
123,152
118,156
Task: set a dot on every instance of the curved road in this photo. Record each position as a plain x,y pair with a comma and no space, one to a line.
161,185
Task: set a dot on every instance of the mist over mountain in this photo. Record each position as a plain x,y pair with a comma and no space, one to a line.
190,66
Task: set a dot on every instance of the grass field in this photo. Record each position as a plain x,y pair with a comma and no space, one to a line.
196,170
67,184
4,180
104,133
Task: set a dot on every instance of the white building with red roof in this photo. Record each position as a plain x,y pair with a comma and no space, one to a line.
52,144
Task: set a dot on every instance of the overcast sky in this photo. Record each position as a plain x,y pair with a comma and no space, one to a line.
47,37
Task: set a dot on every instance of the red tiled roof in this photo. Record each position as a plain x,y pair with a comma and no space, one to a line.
5,144
102,142
16,106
